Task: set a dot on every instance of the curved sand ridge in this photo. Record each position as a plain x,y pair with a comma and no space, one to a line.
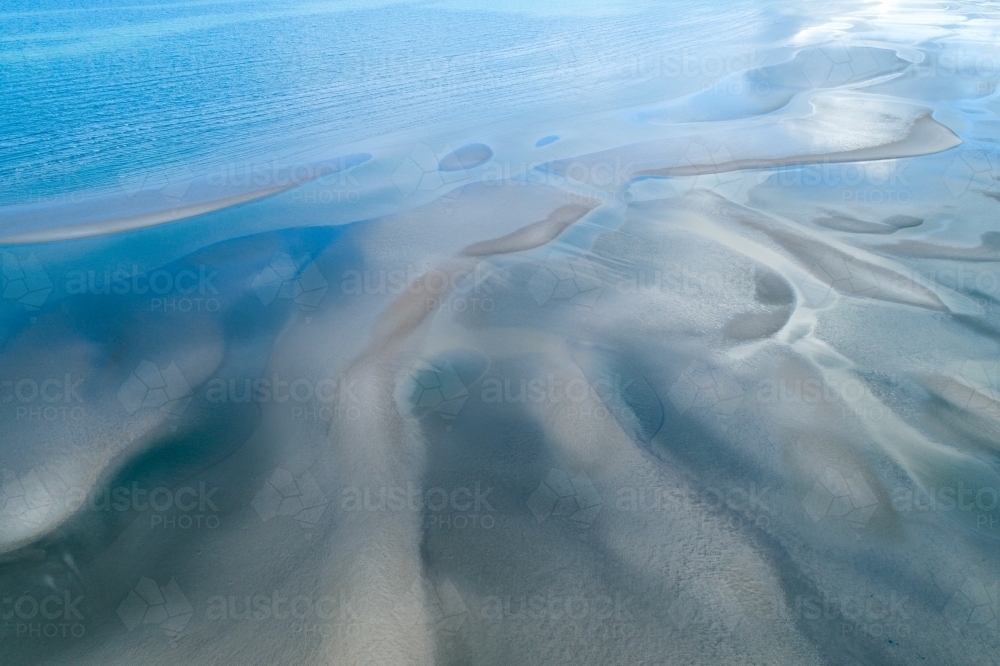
840,129
204,193
847,270
888,225
987,250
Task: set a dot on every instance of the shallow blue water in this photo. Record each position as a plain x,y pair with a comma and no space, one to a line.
94,95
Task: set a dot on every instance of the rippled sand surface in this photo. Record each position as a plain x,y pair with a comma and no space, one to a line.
600,333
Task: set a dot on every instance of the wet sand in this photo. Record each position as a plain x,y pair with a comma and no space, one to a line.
680,390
